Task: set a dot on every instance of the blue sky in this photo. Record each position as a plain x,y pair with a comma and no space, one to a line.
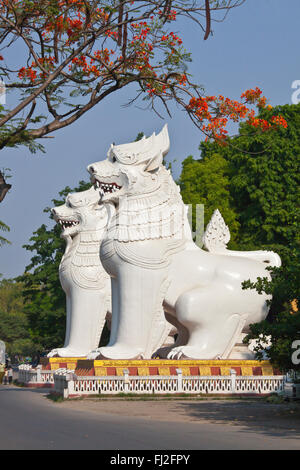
257,45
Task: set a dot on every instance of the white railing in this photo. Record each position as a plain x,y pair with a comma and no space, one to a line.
26,374
68,384
267,384
152,384
207,385
63,380
34,376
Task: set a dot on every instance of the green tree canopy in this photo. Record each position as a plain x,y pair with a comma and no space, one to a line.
206,181
14,326
253,181
264,176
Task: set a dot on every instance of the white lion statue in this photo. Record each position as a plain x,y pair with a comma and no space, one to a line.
82,276
149,253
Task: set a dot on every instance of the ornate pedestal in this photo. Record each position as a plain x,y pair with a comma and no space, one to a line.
163,367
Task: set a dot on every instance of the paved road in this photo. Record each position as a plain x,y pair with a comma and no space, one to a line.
28,420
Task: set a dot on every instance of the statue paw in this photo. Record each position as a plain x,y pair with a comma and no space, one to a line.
65,352
53,353
184,352
117,352
94,354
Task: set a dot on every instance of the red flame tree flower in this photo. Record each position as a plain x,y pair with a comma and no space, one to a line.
78,52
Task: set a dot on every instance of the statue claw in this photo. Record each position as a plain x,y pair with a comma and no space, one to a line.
53,353
95,354
179,353
171,354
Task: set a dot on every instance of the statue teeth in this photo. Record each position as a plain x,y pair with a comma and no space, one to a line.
68,223
107,187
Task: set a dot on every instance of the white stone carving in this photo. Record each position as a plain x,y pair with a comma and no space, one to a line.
82,276
216,235
154,264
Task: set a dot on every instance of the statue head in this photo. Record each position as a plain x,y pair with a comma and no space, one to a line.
130,169
82,212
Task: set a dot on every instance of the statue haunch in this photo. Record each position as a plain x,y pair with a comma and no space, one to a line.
84,280
154,264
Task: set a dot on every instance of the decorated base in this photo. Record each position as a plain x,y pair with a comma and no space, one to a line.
165,367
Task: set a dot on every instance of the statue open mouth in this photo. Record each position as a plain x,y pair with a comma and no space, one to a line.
67,223
107,187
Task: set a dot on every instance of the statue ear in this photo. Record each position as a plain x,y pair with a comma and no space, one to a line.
154,163
161,146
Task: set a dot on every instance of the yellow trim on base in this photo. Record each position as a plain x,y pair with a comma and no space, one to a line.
163,371
204,370
99,371
180,363
247,370
225,370
164,362
267,369
57,360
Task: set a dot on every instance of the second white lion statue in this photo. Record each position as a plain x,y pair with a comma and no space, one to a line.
155,266
82,276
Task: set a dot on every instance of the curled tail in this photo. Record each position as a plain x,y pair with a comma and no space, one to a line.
217,235
269,257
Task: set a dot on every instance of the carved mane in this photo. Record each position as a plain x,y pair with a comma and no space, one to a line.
150,216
